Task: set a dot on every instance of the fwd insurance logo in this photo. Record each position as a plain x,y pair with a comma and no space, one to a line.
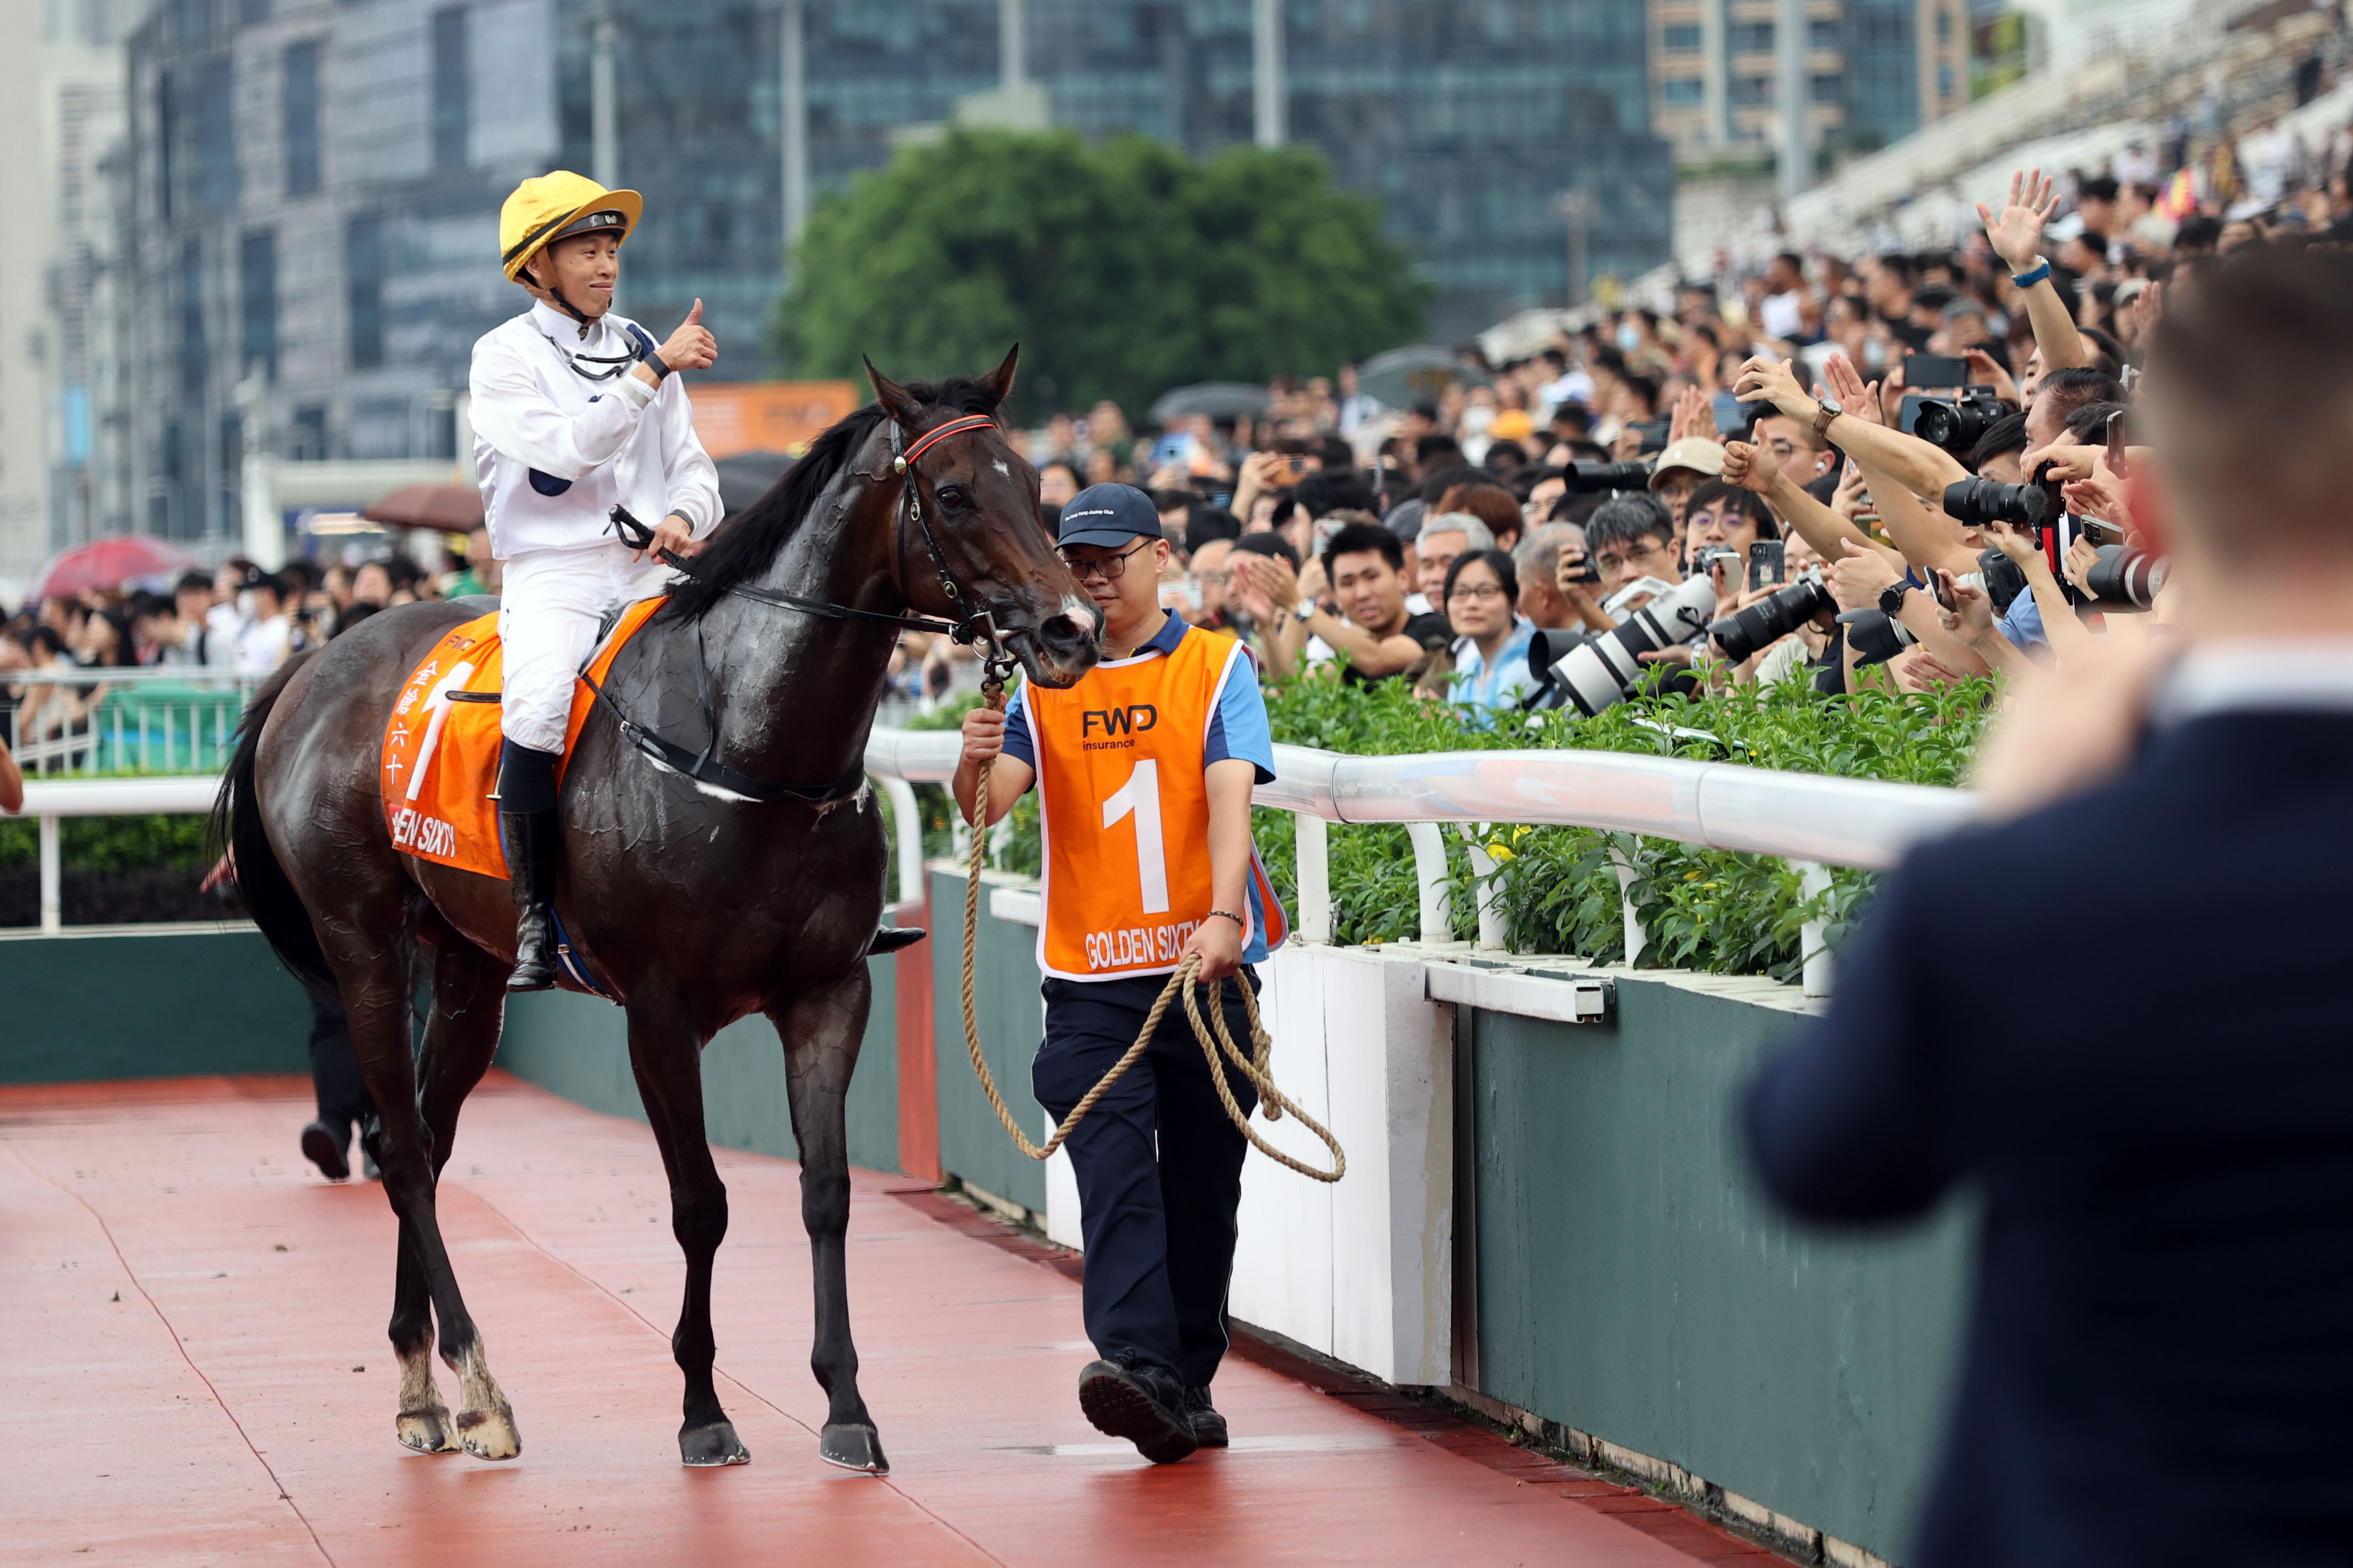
1118,726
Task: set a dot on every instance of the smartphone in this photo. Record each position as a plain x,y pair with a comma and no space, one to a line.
2117,458
1654,434
1940,587
2099,533
1292,470
1935,371
1767,564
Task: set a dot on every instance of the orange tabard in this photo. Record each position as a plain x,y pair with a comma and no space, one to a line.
1125,811
441,758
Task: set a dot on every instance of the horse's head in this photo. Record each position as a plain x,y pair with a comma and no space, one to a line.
979,501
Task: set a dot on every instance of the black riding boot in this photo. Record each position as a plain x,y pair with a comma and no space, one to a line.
528,828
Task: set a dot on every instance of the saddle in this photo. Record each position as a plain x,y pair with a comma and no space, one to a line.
441,744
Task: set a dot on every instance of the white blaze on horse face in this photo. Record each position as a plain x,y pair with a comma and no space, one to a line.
998,464
437,702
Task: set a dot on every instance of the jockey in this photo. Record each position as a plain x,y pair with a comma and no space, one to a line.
575,410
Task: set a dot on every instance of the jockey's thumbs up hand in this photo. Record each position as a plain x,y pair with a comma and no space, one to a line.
691,347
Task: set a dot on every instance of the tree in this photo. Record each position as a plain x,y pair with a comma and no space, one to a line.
1123,268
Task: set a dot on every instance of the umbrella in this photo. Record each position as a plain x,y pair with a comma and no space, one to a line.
456,508
108,563
747,476
1414,373
1217,399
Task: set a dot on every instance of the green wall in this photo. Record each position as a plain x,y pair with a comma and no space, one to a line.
1012,1013
578,1047
1633,1282
179,1000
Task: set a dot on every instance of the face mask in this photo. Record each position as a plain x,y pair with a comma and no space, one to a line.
245,602
1874,354
1629,339
1476,418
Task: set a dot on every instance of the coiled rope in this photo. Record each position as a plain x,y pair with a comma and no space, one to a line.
1212,1034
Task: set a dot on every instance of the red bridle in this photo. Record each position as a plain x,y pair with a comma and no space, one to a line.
933,438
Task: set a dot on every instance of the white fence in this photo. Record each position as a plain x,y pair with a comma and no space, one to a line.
98,722
1812,820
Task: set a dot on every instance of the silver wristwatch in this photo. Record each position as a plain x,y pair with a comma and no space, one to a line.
1303,611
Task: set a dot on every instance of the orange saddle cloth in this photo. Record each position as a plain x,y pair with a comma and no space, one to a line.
441,746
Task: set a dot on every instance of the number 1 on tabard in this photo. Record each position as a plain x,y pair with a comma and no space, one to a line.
1141,794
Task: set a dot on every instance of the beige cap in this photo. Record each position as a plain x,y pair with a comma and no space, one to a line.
1697,453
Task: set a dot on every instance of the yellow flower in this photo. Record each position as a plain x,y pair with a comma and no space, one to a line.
1498,851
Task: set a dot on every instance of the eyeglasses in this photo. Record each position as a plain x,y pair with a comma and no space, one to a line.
1477,593
1642,549
1110,568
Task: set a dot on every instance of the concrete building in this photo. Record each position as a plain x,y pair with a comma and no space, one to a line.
309,189
1876,71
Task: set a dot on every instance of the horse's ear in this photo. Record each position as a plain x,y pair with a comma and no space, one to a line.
896,400
999,381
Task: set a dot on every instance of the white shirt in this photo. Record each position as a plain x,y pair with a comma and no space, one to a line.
532,411
262,646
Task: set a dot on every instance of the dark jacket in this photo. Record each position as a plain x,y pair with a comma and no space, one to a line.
2125,1020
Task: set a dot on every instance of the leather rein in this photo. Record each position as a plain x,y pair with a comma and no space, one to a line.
976,628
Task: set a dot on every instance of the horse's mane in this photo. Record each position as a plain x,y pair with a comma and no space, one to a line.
745,546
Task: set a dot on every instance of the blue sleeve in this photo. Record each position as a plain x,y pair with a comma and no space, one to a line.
1019,744
1238,728
2023,624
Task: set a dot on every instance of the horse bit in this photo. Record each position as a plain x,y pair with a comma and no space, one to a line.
972,628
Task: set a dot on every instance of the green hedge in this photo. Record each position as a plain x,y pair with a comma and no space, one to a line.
115,844
1707,910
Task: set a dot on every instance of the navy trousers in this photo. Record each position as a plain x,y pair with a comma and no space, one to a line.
335,1068
1159,1166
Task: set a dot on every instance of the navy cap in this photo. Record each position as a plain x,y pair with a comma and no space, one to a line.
1109,515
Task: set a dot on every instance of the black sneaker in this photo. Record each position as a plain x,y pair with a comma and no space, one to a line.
324,1150
1145,1405
1209,1427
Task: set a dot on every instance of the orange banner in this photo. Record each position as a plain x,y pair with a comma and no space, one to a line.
767,415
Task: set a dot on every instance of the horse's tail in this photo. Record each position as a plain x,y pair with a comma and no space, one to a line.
269,894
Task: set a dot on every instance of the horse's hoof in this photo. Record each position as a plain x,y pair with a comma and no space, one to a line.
707,1447
427,1431
490,1434
853,1447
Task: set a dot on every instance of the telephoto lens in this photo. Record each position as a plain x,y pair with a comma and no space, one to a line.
2124,578
1957,425
1601,673
1983,502
1875,636
1742,632
1609,475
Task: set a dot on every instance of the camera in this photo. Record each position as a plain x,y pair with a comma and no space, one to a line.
1609,475
1984,502
1875,636
2125,578
1706,558
1600,672
1741,634
1956,426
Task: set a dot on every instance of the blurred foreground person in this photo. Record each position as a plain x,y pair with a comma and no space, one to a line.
2160,1357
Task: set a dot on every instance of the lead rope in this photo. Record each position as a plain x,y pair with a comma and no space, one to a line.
1258,1071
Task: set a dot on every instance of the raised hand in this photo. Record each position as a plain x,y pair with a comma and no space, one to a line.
1856,395
1986,371
1765,379
1694,414
1750,468
2017,234
1860,576
691,347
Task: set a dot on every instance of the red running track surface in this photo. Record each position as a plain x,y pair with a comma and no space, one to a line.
191,1338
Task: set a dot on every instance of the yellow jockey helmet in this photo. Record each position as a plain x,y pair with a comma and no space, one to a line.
555,206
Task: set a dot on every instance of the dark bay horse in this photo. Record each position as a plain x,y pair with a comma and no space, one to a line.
696,905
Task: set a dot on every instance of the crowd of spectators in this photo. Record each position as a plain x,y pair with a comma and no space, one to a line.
238,621
1795,436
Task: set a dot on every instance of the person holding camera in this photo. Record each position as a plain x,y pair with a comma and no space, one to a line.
2156,1367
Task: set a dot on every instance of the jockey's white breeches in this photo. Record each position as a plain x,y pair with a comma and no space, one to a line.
550,602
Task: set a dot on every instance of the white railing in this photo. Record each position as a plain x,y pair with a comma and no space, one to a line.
50,801
1812,820
172,718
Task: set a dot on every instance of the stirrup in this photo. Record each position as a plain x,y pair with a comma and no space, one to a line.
891,939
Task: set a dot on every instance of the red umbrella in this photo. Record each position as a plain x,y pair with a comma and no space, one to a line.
457,508
109,563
